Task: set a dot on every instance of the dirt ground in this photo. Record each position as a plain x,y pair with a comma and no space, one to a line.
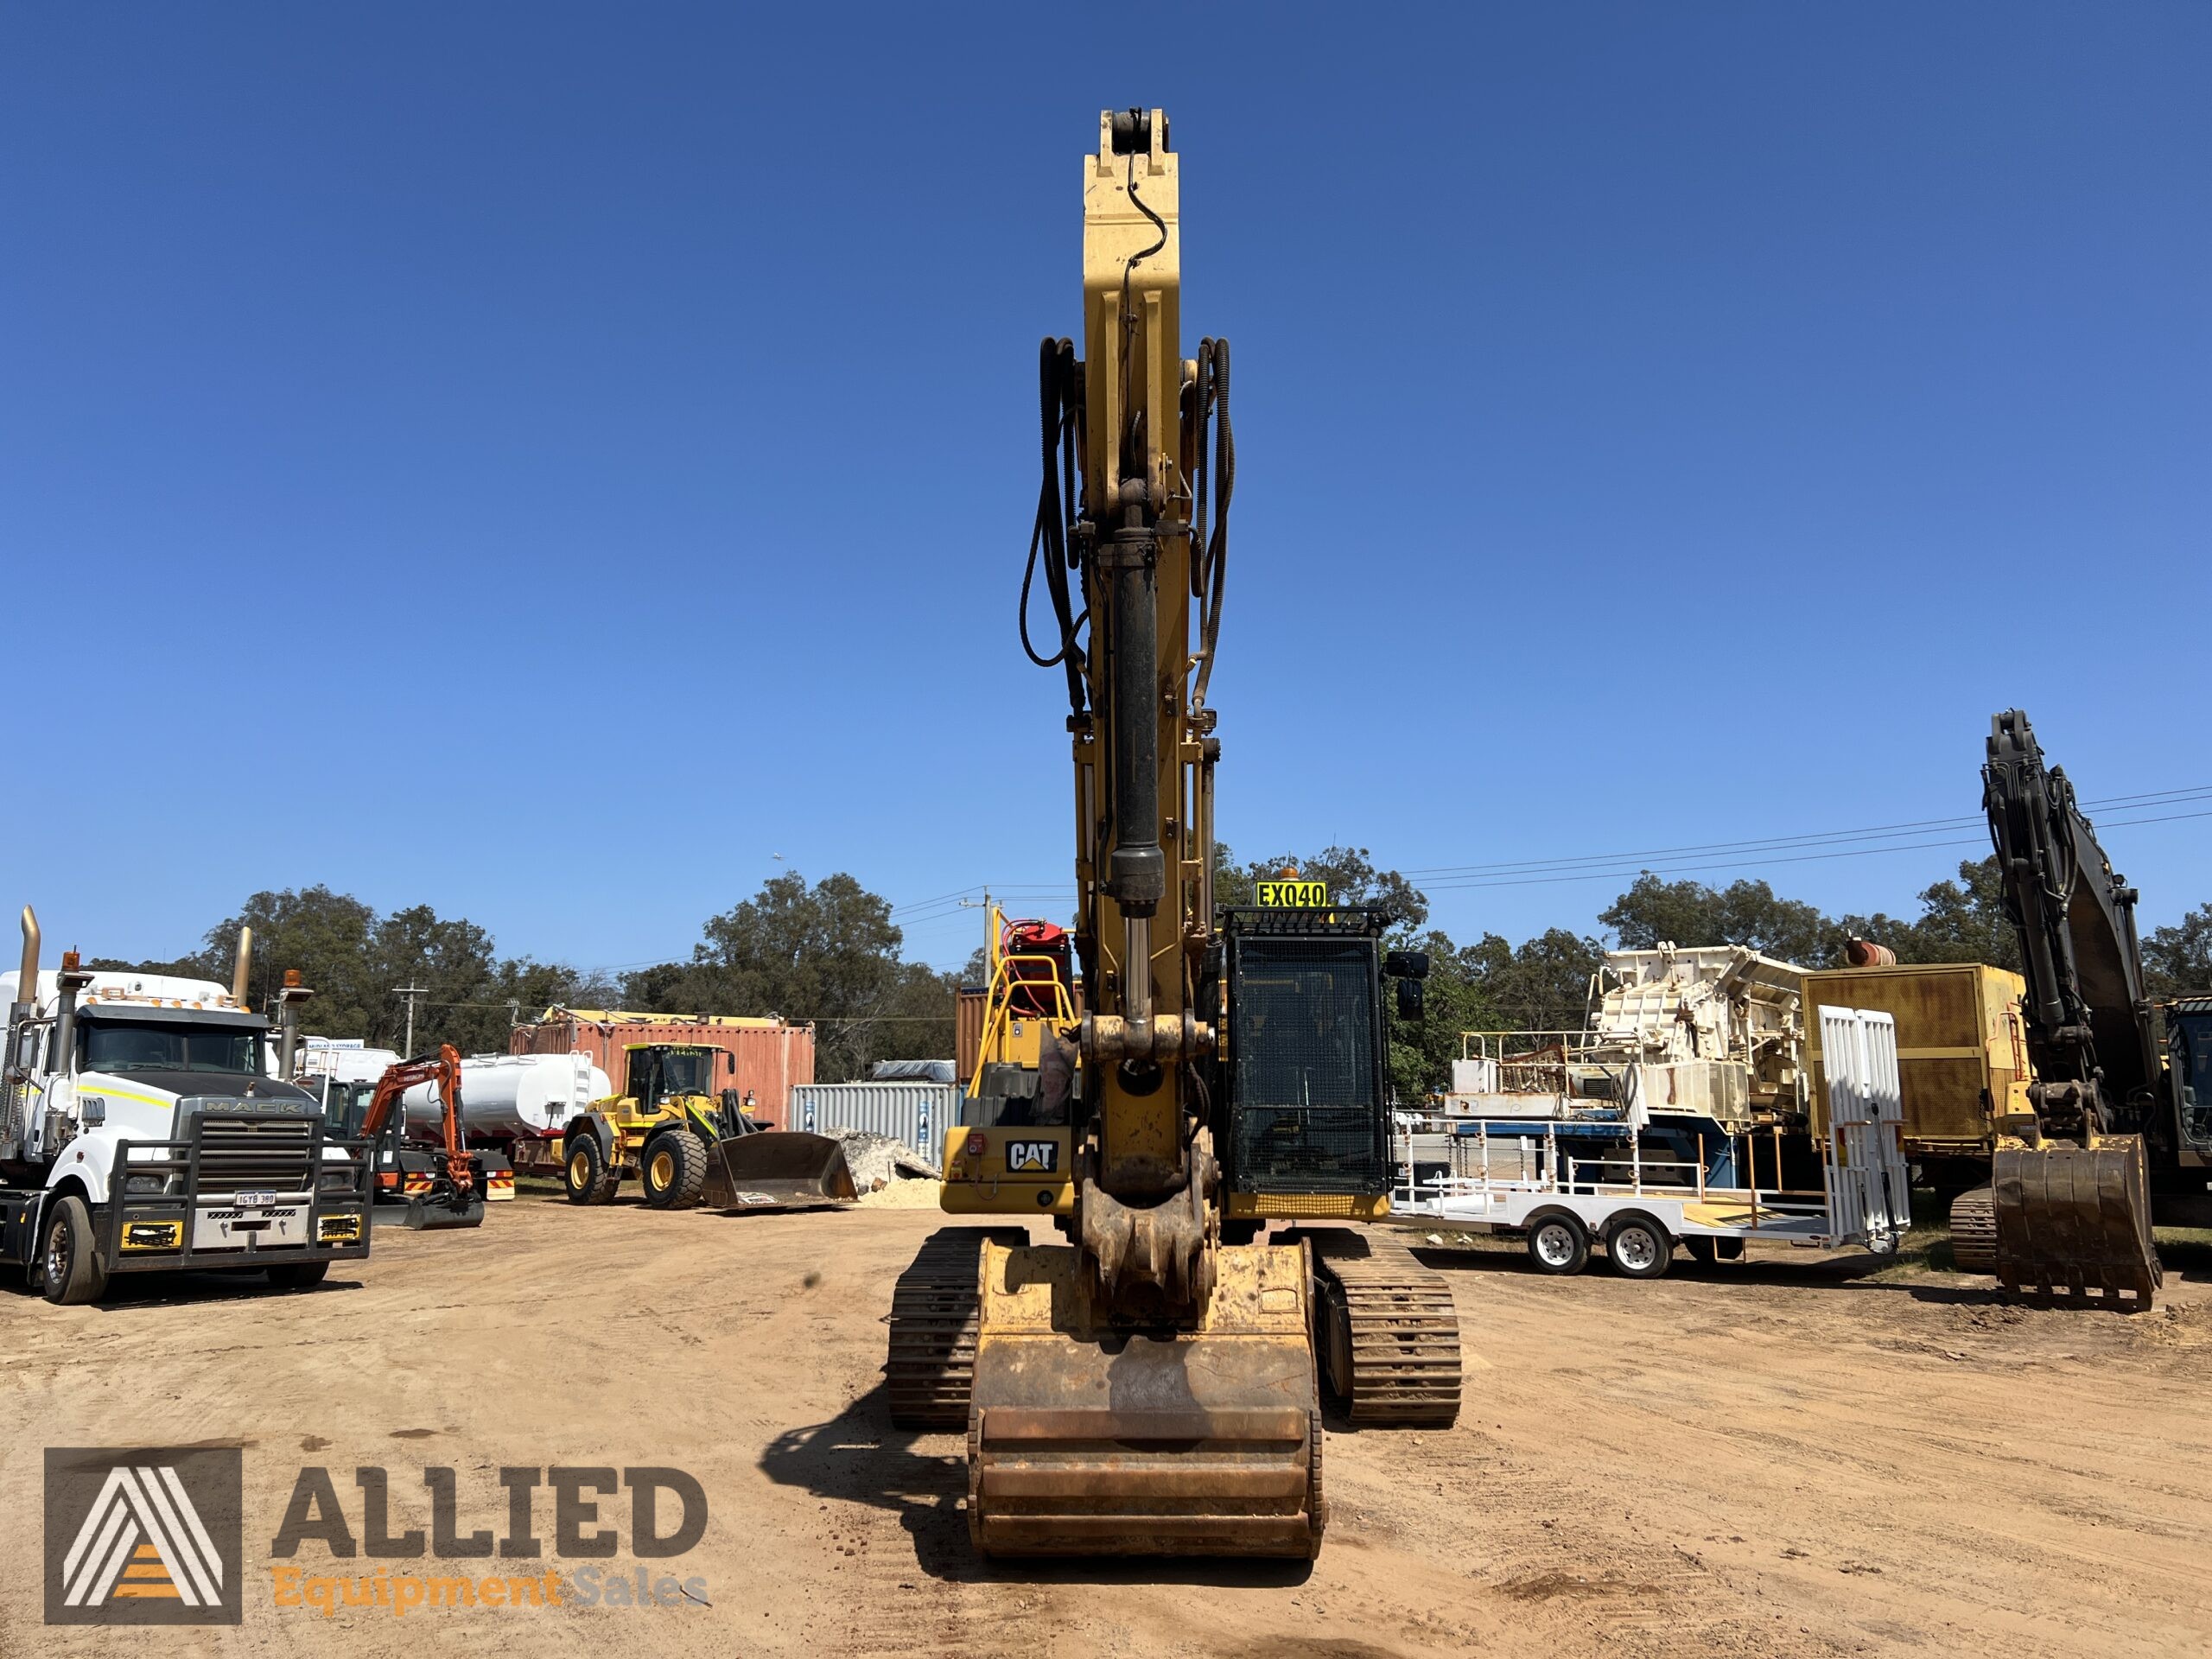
1792,1455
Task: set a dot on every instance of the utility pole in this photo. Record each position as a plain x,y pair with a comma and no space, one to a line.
410,992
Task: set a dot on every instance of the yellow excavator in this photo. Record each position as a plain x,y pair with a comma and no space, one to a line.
1149,1385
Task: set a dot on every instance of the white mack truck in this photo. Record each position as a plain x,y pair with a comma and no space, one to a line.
140,1131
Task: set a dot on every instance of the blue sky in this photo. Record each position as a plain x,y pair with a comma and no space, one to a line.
547,461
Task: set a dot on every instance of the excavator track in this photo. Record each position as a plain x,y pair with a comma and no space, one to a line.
932,1366
1387,1331
1973,1232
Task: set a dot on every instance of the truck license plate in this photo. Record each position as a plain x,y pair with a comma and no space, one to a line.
255,1200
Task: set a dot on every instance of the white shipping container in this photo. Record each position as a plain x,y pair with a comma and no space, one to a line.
916,1112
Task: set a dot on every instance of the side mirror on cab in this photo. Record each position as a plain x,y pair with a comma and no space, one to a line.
1406,965
1411,996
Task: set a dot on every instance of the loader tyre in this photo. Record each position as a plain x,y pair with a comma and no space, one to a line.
675,1169
70,1268
298,1275
587,1176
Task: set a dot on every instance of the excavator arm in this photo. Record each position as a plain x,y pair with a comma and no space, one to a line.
2091,1033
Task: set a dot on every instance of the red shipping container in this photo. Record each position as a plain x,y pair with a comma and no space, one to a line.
771,1056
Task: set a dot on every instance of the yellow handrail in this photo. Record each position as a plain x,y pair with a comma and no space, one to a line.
998,1001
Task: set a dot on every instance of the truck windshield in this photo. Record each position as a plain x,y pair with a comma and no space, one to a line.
168,1045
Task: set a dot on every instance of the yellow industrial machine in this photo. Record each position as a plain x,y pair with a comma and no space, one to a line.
1149,1386
689,1144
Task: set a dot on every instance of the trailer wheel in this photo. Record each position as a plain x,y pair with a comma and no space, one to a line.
69,1258
1638,1247
298,1275
586,1174
675,1169
1560,1243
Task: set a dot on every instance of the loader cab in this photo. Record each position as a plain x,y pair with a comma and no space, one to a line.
659,1073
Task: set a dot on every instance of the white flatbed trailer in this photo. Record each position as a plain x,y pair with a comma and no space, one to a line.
1559,1182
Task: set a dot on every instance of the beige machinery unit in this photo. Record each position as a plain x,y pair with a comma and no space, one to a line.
1708,1030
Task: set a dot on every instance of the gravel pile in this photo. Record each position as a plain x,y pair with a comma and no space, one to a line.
880,1163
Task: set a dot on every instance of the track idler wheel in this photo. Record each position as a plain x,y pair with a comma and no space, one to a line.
1973,1232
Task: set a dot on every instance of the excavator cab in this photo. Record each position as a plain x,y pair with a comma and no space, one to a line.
2188,1044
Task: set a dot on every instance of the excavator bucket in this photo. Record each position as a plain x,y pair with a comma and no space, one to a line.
1083,1440
776,1169
2075,1220
443,1208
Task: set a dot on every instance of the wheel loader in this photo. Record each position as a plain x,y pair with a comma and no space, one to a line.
1148,1385
689,1144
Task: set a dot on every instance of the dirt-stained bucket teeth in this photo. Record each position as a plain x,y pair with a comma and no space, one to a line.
931,1365
1388,1332
2075,1222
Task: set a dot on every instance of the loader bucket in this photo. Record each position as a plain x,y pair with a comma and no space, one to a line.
2075,1220
776,1169
1083,1440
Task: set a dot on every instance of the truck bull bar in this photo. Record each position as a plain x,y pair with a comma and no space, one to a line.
243,1187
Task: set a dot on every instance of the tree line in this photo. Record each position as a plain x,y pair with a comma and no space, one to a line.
829,954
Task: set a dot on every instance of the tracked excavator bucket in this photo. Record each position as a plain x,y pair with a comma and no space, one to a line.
776,1169
1086,1439
2075,1220
436,1212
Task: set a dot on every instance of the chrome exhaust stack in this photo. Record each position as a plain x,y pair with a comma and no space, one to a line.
288,1022
243,967
22,1039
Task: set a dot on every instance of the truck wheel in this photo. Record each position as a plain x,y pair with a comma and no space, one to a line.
587,1176
1559,1243
298,1275
675,1169
1638,1247
69,1258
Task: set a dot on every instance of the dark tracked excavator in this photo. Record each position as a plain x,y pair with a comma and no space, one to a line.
2115,1129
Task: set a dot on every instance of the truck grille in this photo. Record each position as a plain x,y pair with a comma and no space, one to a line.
275,1154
